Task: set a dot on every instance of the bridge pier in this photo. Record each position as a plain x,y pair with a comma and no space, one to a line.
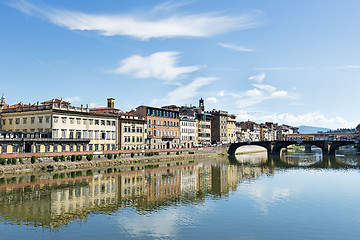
307,148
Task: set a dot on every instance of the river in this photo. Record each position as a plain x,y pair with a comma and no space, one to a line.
296,196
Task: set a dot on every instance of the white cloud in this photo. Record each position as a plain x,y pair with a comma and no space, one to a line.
236,47
144,25
254,93
222,93
258,78
184,92
315,119
279,94
268,88
350,67
211,100
279,68
159,65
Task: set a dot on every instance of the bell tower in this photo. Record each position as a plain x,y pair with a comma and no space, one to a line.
201,104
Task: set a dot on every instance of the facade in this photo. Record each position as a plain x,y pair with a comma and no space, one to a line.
163,129
231,129
219,130
283,131
188,130
56,126
271,130
132,132
204,129
250,131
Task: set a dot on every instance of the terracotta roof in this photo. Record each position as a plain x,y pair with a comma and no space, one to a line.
55,100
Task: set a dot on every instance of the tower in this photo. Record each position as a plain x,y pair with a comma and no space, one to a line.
3,100
110,102
201,104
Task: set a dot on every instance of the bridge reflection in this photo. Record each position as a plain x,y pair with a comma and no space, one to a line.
55,200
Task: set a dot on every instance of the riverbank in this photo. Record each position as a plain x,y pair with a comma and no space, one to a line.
103,161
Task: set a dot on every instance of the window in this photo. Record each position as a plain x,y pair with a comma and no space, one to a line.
78,134
71,134
63,133
78,120
154,122
72,120
24,120
96,122
32,120
10,121
55,133
96,134
47,120
149,121
107,123
63,119
85,121
4,121
113,123
91,121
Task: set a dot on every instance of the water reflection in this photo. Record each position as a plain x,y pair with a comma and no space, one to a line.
54,200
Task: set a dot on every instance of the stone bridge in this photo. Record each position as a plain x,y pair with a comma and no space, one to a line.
274,147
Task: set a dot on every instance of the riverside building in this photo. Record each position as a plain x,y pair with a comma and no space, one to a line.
188,130
219,128
163,129
56,126
231,128
132,131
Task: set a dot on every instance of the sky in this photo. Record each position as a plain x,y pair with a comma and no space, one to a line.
291,62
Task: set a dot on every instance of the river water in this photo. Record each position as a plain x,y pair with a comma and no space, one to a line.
296,196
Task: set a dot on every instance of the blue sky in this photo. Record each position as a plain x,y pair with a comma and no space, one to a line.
294,62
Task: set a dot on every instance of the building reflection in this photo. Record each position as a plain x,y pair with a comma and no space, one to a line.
53,201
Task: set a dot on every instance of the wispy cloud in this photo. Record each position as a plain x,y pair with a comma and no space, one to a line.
211,100
236,47
160,65
268,88
184,92
350,67
279,68
310,119
257,95
258,78
143,25
315,119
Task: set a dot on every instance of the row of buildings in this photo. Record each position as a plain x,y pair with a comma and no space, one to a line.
57,126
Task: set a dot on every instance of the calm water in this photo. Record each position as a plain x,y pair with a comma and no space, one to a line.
298,196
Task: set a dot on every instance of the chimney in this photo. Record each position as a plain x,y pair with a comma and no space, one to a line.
111,102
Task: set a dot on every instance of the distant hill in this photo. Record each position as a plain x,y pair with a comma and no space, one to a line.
309,129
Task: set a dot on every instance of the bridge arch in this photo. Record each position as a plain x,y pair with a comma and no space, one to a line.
337,144
284,144
233,147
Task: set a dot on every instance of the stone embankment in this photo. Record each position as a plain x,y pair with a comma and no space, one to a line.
101,160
